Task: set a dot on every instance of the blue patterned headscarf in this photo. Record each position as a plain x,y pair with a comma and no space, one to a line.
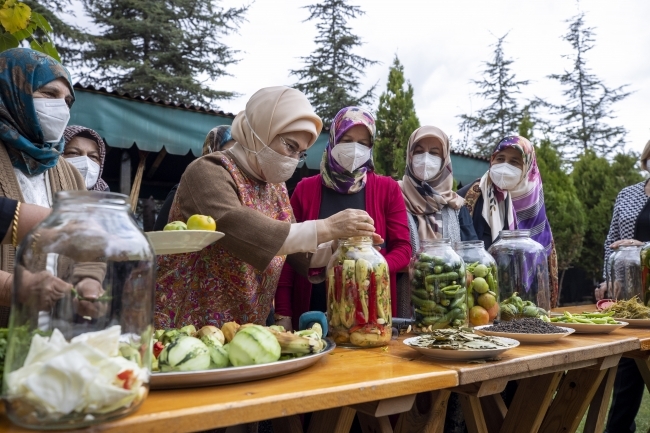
23,71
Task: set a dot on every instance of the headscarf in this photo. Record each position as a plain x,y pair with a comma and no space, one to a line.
22,72
216,139
426,200
73,131
334,176
645,156
270,111
525,202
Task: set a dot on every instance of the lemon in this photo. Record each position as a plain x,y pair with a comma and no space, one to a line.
201,222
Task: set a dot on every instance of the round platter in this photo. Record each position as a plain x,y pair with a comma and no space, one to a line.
586,328
525,338
461,355
182,241
635,323
223,376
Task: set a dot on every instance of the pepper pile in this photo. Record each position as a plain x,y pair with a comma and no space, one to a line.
526,325
515,308
358,299
586,318
438,292
630,309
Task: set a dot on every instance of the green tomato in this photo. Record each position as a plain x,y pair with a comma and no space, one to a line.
175,225
480,285
480,271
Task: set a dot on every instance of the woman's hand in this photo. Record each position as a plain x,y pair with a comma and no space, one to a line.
43,284
625,243
285,322
345,224
85,305
600,291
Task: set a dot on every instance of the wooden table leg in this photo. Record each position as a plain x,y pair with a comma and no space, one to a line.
644,369
494,410
287,424
427,414
473,412
371,424
337,420
530,403
572,399
598,408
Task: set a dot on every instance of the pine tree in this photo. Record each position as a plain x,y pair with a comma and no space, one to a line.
331,76
163,49
502,116
563,207
598,183
396,121
588,103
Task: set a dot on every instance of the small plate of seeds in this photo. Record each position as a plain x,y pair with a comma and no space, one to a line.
526,330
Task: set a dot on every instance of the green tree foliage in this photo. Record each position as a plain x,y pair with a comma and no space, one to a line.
19,23
331,76
500,88
563,207
396,121
583,117
163,49
598,182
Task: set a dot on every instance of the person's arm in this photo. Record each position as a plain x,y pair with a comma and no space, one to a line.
614,233
398,239
284,297
163,216
466,223
28,216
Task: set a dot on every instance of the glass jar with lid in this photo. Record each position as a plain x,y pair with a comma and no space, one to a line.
645,274
623,273
522,272
358,295
81,321
438,286
482,282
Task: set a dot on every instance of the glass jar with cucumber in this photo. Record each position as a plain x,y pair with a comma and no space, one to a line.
438,286
482,283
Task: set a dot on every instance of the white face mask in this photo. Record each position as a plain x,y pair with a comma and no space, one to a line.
505,176
53,116
276,168
88,168
426,166
351,155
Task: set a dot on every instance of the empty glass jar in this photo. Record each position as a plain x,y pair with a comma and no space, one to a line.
438,286
358,295
624,273
522,272
81,320
482,282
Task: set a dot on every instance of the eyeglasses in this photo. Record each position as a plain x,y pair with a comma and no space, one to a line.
292,151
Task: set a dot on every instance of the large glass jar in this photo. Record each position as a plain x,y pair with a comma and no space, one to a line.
438,286
358,295
522,272
623,274
482,282
645,273
80,329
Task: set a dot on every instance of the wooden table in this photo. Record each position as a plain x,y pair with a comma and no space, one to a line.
557,383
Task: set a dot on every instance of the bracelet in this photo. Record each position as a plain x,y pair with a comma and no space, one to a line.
277,317
14,229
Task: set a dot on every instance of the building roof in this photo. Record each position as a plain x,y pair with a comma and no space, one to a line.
152,100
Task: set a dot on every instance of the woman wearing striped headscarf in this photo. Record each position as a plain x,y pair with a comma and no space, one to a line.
347,180
86,151
510,196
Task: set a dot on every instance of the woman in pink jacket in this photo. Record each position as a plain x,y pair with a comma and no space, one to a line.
347,181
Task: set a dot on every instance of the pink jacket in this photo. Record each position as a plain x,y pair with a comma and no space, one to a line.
384,204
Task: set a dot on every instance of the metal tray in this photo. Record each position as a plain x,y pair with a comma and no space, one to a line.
223,376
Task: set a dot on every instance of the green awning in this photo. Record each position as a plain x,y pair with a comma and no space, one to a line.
123,121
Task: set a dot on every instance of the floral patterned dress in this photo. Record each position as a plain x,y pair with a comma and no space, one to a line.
211,286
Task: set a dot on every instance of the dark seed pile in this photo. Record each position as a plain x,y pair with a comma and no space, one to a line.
525,326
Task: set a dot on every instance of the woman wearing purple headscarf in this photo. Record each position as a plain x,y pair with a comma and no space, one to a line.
347,181
86,151
513,189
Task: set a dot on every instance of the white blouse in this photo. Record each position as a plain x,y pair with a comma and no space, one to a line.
36,189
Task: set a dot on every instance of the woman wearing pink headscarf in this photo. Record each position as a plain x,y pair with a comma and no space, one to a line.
347,181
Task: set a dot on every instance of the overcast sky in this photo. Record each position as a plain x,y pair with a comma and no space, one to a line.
442,45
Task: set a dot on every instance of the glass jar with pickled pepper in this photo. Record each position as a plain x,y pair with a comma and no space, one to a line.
482,285
645,273
623,273
438,286
358,295
522,272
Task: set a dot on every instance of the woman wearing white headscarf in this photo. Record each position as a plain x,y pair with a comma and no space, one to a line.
243,189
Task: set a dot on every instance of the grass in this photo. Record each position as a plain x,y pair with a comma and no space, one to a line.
642,418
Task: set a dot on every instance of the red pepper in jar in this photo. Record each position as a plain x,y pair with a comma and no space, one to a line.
360,319
157,348
372,299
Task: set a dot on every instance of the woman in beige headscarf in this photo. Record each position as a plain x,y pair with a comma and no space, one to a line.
243,189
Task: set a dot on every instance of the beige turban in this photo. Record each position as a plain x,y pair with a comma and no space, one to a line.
269,112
